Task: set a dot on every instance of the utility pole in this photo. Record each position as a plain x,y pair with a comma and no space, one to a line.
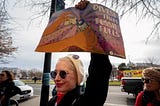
56,5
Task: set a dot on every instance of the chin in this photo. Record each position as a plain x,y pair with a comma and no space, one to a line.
148,89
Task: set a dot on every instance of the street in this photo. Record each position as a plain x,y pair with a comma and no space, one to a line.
115,97
118,98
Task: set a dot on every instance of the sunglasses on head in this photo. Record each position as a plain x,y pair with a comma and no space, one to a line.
146,80
62,74
75,56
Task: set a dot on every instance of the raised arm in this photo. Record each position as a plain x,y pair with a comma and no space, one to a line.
98,80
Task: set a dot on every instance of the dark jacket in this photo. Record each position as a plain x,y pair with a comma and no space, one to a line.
8,89
146,98
96,85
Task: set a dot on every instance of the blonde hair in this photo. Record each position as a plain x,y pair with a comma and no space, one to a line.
69,62
76,65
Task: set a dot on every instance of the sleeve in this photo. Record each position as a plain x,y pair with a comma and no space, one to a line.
15,90
139,99
98,80
12,90
52,101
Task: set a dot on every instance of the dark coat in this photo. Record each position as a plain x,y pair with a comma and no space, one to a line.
146,98
8,89
96,85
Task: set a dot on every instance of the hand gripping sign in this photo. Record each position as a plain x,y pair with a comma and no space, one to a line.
94,29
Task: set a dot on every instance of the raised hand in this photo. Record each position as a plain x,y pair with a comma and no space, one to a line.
82,4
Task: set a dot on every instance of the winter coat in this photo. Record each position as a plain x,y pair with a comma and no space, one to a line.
96,85
146,98
8,89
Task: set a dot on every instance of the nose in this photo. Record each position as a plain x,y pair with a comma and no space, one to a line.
57,77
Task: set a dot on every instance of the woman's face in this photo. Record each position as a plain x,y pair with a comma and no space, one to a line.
3,76
68,83
151,85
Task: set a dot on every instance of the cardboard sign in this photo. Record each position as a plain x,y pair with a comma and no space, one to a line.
94,29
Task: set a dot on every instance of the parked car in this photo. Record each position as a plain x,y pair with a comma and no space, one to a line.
26,91
131,85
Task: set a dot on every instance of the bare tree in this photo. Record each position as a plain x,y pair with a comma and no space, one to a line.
35,72
24,74
6,47
152,61
142,8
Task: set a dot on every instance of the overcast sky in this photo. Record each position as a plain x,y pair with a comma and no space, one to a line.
26,37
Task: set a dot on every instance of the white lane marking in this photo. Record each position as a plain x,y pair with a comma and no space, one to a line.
110,104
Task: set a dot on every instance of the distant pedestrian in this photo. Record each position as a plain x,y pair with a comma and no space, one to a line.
35,79
151,94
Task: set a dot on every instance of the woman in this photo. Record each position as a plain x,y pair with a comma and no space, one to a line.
69,76
151,94
7,87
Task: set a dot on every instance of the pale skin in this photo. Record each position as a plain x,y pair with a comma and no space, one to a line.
70,82
3,76
153,86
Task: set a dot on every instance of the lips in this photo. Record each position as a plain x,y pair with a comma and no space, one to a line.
59,84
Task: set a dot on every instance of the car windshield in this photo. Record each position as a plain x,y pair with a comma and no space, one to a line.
19,83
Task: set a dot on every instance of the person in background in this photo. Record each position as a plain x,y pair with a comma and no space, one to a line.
7,87
69,76
35,79
0,79
0,86
150,96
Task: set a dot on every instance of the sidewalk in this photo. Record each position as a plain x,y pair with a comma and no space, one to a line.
34,101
